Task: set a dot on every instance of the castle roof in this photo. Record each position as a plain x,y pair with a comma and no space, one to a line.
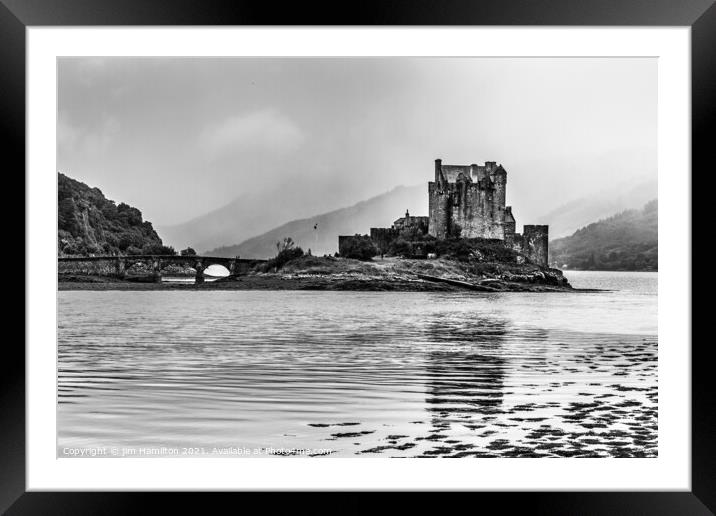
451,172
411,219
473,172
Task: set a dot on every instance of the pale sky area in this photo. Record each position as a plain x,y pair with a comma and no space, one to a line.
179,137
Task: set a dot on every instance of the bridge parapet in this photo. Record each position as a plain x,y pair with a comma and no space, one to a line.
117,266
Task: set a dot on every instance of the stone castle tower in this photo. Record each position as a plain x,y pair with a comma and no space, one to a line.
468,201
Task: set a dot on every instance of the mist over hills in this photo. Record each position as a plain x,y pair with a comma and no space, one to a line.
379,211
248,215
382,210
251,225
569,217
625,241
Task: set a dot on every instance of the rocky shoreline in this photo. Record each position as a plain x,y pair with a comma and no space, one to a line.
327,273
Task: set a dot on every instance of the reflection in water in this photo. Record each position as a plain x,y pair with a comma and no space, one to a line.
351,374
466,379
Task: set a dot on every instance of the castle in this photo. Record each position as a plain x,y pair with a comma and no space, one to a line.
468,201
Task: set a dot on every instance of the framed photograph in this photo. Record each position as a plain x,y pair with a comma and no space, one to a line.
287,249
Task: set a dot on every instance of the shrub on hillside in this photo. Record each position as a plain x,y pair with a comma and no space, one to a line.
473,249
359,248
158,249
400,247
287,251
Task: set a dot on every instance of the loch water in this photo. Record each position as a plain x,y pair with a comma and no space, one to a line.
361,374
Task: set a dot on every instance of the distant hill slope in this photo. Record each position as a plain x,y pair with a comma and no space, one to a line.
89,223
378,211
626,241
569,217
246,216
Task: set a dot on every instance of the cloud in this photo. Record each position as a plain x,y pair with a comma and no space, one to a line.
267,130
85,142
67,135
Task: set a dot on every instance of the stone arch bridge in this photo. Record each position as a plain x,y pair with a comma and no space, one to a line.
116,266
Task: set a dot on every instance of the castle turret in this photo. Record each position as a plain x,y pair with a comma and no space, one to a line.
499,178
510,225
439,204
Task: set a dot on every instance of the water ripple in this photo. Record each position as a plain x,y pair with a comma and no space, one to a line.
356,374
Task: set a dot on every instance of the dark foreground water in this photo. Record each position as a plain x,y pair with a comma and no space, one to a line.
261,373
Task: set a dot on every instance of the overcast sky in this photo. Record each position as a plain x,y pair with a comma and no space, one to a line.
178,137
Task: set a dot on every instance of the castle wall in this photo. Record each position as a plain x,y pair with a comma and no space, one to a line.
470,206
474,211
535,244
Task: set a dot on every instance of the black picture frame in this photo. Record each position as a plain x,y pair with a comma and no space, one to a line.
16,15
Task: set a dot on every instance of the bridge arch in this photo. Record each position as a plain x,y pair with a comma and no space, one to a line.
217,270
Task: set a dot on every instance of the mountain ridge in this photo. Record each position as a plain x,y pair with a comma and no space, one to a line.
576,213
626,241
377,211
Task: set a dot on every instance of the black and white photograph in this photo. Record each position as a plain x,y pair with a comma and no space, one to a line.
357,257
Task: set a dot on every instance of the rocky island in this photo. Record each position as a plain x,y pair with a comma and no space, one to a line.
470,266
331,273
400,274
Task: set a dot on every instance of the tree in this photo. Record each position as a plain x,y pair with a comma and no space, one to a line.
158,249
400,247
65,215
359,248
188,252
287,251
286,245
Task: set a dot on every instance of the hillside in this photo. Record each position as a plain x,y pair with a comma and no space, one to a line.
626,241
253,215
379,211
577,213
246,216
89,223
